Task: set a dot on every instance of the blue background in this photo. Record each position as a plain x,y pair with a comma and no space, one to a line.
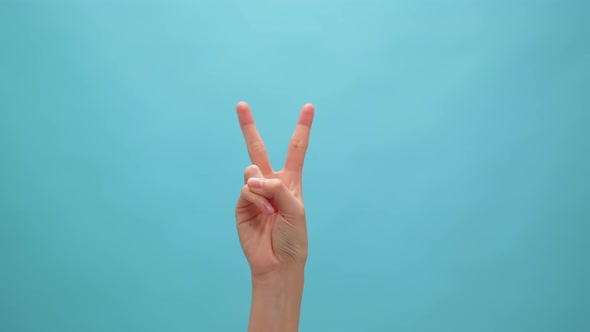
446,183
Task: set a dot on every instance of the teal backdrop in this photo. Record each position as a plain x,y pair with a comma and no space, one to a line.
447,181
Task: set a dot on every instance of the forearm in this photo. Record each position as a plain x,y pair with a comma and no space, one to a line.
276,302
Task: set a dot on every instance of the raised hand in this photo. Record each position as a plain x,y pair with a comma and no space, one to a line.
270,213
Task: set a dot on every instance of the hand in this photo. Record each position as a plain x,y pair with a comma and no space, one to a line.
270,213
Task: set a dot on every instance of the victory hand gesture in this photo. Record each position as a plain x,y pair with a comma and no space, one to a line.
270,214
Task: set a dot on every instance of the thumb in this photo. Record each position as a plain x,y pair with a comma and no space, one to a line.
274,189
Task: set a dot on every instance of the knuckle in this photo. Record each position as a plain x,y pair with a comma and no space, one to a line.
245,189
298,144
275,183
256,146
250,170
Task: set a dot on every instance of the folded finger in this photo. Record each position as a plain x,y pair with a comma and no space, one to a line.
261,202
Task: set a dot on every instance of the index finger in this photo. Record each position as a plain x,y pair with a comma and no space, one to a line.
254,143
300,140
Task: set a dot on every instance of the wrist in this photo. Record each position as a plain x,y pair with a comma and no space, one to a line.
280,279
276,300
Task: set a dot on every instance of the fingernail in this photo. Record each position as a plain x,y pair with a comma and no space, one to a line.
256,182
269,208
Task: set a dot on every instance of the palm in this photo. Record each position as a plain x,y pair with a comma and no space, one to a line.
256,230
259,232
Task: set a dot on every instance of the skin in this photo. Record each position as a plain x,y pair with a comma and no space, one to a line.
271,224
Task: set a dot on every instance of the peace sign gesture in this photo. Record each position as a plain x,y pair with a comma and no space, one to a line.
270,213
